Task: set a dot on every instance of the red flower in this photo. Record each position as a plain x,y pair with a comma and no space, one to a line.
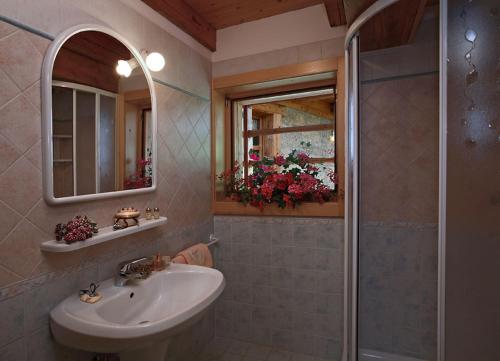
267,168
288,200
270,184
333,177
296,191
267,190
303,158
308,182
312,169
279,160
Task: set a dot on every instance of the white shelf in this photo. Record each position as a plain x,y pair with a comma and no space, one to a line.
105,234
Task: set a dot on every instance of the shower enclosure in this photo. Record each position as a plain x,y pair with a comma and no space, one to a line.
393,138
422,179
396,148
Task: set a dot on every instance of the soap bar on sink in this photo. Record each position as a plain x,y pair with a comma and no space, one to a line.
90,299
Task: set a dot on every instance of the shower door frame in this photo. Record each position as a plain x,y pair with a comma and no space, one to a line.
351,46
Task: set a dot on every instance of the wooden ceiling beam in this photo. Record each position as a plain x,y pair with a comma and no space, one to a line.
186,18
417,19
224,13
354,8
335,12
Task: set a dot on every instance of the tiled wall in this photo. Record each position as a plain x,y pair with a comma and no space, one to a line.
398,288
399,150
399,110
284,282
33,282
271,59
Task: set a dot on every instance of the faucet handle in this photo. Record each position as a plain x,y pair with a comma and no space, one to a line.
135,268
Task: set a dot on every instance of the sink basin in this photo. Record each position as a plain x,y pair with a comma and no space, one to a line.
138,319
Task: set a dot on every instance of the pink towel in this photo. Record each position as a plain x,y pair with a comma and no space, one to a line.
198,255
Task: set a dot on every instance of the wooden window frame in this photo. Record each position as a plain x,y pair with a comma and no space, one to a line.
229,87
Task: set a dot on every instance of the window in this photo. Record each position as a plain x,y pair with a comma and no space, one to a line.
275,111
302,121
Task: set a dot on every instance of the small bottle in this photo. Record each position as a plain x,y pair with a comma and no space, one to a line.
149,214
158,263
156,213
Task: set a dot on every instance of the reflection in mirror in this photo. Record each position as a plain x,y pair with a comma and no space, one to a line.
101,121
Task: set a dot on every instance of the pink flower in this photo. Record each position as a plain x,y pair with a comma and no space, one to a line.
143,162
267,190
254,157
333,177
311,168
279,160
288,200
303,158
308,182
267,168
296,190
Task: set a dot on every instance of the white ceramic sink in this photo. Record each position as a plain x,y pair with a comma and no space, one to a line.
138,319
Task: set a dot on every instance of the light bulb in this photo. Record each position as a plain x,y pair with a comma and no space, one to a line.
155,61
123,68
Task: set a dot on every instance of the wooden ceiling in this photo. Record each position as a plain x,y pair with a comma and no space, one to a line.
224,13
201,18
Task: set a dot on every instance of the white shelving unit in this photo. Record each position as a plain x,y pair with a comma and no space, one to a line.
105,234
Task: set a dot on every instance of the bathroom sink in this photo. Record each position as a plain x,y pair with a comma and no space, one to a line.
137,320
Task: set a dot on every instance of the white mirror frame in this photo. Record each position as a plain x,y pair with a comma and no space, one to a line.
47,140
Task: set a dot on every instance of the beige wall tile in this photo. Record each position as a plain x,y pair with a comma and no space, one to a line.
309,52
21,249
8,153
6,29
20,59
8,219
33,95
22,264
8,90
34,155
20,123
21,186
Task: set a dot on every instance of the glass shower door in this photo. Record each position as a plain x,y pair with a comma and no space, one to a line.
398,138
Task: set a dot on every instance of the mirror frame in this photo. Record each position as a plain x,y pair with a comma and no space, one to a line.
47,140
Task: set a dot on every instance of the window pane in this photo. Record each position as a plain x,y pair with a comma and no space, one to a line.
296,112
320,143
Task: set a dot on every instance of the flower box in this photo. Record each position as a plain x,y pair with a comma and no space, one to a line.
305,209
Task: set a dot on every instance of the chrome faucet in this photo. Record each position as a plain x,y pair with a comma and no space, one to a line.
134,269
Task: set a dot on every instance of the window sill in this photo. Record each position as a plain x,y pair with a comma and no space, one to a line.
329,209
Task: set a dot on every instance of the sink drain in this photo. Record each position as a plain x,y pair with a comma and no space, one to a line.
143,322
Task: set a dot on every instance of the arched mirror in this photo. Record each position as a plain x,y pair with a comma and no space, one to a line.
99,118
